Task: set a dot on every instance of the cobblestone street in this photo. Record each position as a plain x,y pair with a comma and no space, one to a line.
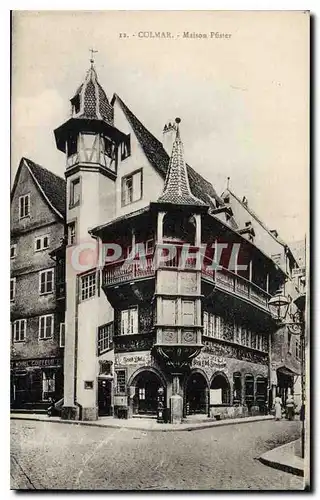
58,456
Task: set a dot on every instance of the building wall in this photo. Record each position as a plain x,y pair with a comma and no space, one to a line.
152,182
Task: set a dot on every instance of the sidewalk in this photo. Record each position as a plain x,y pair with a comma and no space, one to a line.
142,424
286,457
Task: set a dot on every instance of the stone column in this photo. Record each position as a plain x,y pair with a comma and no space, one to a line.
176,401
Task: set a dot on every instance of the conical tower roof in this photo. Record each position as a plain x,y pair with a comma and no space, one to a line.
90,100
176,187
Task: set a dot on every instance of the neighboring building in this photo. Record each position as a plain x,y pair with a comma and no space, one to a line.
37,314
202,334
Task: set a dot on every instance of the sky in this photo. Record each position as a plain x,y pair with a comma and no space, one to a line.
243,100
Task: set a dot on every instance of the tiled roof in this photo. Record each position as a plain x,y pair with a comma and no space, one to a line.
94,103
176,187
52,186
159,158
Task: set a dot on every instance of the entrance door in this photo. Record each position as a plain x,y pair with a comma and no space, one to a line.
146,393
196,394
104,397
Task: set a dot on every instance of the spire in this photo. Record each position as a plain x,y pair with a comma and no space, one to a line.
90,100
176,187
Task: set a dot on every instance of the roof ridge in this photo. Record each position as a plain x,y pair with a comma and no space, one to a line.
258,219
157,155
43,168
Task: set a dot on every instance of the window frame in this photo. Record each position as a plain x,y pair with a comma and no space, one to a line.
14,330
14,281
131,321
45,337
24,197
123,181
46,271
89,287
41,239
72,223
118,391
72,202
109,329
125,148
183,314
14,248
62,324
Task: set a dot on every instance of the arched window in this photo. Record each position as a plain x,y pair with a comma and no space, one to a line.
237,388
221,386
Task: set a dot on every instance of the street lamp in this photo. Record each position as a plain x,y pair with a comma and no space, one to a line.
278,306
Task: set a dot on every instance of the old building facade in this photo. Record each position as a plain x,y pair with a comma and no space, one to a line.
166,284
37,315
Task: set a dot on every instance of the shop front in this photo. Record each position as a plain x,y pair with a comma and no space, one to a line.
34,382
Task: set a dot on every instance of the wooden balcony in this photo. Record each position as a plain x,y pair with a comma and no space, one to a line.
223,279
121,272
230,282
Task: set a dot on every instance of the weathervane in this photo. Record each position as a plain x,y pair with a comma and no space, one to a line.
92,53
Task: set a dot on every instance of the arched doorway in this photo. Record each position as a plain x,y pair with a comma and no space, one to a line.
196,394
220,388
145,386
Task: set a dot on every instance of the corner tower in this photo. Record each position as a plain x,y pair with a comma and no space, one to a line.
90,142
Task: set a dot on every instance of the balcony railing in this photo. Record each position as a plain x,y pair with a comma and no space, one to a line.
238,285
120,272
223,278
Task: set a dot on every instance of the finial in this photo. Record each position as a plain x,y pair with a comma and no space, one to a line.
92,53
178,120
228,182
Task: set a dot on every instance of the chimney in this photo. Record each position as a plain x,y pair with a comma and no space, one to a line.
169,135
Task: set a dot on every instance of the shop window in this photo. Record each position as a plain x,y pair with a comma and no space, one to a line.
121,381
237,388
48,385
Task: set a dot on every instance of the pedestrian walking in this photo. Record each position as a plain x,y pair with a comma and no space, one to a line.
290,407
277,406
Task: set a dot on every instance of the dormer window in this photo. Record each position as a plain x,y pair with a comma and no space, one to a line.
125,148
75,103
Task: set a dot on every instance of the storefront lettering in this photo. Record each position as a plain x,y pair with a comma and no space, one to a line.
144,359
209,362
37,363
